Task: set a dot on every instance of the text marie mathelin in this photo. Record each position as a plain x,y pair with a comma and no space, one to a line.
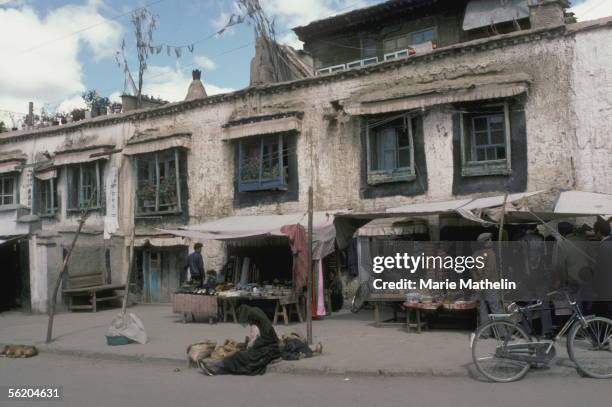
430,284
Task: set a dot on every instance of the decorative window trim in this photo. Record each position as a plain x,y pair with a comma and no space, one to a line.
470,168
262,184
3,194
81,201
399,174
177,179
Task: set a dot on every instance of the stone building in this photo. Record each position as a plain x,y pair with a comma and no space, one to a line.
413,101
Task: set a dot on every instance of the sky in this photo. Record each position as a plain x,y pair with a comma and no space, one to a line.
53,50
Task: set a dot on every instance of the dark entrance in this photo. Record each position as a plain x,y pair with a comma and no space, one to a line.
15,274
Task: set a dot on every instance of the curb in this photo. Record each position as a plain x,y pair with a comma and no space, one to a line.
291,368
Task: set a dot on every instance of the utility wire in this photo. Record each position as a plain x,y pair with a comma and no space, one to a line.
152,3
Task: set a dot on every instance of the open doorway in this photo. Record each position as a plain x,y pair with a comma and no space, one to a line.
15,286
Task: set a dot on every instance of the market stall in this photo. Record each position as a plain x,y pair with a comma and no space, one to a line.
267,260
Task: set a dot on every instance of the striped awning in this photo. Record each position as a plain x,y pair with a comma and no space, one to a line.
149,143
405,95
81,155
280,125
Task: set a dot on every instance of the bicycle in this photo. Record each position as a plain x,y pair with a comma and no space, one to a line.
503,352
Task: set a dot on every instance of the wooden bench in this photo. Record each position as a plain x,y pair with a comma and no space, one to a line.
91,286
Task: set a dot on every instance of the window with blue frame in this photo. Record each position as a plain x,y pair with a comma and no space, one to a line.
263,163
390,149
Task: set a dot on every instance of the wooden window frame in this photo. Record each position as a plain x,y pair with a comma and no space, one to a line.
262,184
4,194
398,174
473,168
155,157
42,209
81,200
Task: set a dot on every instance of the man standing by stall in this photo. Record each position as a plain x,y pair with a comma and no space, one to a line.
195,266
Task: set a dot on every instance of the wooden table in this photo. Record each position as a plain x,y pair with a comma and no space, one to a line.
282,306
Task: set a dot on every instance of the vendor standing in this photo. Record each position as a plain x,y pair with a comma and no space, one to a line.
195,266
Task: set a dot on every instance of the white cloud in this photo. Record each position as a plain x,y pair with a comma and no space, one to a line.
204,62
40,53
171,83
74,102
592,9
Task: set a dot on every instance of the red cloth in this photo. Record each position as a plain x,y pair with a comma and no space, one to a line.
298,240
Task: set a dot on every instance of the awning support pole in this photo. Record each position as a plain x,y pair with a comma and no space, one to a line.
309,276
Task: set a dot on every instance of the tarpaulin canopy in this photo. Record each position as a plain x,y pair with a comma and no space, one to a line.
584,203
292,226
393,227
434,208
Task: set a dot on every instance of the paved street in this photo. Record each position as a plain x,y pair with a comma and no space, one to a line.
113,383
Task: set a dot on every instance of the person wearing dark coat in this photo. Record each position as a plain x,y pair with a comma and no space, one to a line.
195,264
603,267
254,360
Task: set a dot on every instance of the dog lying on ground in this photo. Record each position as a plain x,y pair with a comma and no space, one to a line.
19,351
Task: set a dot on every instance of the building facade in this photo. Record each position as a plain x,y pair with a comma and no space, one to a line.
446,110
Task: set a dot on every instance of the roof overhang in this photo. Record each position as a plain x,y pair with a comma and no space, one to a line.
419,96
82,155
156,141
259,125
484,13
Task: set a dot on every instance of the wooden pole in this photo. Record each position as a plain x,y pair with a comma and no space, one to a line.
128,277
500,236
58,281
309,276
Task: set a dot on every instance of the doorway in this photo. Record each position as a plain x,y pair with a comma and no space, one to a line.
160,273
15,286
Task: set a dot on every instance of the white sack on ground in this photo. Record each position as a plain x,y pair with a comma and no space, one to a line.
130,326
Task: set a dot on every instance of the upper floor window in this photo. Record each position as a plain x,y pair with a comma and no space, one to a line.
8,190
47,201
158,189
413,38
390,149
263,163
84,186
486,140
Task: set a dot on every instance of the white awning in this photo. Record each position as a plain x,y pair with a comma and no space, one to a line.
432,208
393,227
84,155
159,241
484,13
584,203
417,96
153,143
280,125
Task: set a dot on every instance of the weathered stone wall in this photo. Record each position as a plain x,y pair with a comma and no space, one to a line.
592,114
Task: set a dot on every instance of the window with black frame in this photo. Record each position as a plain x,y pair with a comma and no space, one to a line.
47,199
158,188
263,163
390,148
85,186
8,190
486,140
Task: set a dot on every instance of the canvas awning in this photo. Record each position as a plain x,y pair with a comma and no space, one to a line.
152,141
434,208
417,96
11,161
82,155
584,203
159,241
393,227
46,174
484,13
254,128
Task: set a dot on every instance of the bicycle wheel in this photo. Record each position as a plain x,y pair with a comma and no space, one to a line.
490,351
589,347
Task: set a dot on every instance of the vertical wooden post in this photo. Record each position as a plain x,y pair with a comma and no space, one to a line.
309,276
128,277
499,243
